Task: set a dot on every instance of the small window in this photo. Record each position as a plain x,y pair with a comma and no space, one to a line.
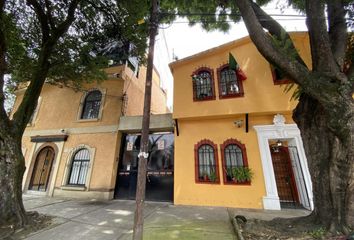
207,170
229,84
92,104
79,167
203,85
233,155
278,76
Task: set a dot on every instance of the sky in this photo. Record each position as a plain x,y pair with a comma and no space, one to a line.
181,40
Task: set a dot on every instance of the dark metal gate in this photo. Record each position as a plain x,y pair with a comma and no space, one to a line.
159,182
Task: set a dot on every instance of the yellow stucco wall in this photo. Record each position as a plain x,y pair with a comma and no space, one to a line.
188,192
260,94
214,120
59,109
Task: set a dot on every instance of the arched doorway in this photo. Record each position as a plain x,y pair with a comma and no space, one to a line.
41,170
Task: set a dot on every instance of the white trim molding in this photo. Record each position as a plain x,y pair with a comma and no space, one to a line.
289,132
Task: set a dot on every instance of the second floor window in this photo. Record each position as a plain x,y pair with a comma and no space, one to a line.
92,104
278,76
229,84
203,85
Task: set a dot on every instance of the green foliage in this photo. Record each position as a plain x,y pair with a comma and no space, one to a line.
241,174
215,15
213,177
284,45
80,54
318,233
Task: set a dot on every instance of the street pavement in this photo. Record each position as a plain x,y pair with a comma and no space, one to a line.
92,219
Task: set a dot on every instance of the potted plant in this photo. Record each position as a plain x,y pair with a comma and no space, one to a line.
205,176
241,174
213,177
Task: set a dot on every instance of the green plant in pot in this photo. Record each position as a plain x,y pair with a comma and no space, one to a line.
241,174
213,177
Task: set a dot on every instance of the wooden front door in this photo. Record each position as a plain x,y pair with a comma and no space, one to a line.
284,175
42,169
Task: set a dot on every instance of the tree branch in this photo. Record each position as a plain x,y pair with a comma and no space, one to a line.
33,91
337,30
322,57
274,28
63,27
350,73
294,69
50,13
3,66
42,17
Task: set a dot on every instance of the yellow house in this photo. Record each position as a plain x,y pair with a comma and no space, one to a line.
227,126
72,144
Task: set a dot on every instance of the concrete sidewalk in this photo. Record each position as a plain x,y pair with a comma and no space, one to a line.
90,219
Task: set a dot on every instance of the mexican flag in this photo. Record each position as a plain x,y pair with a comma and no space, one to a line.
234,66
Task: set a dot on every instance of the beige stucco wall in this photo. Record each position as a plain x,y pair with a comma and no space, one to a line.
59,114
134,88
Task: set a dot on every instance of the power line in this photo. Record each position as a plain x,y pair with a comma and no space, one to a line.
225,14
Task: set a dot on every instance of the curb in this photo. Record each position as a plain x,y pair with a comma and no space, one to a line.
236,226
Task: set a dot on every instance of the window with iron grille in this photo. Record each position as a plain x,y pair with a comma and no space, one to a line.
207,170
92,104
278,76
233,155
79,167
203,85
229,84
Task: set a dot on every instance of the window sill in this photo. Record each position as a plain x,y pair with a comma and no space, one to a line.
238,183
207,182
282,81
73,188
204,99
231,96
88,120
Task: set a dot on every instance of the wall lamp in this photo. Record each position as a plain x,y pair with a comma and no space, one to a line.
238,123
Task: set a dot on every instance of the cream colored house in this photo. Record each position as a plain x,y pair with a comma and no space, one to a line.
72,143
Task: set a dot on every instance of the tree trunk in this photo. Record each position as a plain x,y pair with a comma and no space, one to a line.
330,161
12,168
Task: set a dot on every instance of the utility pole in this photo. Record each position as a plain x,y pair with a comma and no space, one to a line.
144,145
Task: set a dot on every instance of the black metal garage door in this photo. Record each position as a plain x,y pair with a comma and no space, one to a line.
159,182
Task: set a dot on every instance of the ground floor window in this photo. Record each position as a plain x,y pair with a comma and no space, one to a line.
206,162
234,160
79,167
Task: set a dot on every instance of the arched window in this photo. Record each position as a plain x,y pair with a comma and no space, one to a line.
203,85
233,155
79,167
229,84
206,162
92,104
